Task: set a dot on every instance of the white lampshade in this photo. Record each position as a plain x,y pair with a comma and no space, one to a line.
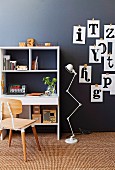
70,68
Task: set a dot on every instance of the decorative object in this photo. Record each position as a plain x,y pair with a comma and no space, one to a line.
22,44
104,46
109,61
48,93
94,54
108,82
21,67
72,138
47,44
96,93
93,28
79,35
30,42
109,32
35,64
51,84
49,116
85,74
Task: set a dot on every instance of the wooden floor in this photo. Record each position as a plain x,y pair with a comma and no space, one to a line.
95,151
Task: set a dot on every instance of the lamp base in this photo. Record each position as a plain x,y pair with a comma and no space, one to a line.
71,140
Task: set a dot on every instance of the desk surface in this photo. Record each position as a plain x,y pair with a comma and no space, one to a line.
35,100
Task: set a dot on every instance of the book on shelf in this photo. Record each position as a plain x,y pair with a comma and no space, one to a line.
35,94
12,65
6,62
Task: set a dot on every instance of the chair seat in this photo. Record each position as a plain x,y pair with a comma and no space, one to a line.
18,123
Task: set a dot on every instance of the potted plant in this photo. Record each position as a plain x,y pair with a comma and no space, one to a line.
51,83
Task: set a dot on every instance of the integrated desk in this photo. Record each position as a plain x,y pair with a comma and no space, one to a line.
39,100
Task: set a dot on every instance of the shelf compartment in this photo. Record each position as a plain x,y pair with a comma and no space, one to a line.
33,81
46,59
20,56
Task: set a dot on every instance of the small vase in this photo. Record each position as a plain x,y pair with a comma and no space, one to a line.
51,89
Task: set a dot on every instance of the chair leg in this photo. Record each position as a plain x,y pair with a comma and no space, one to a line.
10,137
24,144
0,132
1,135
36,137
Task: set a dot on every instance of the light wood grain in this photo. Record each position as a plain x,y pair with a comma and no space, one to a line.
16,123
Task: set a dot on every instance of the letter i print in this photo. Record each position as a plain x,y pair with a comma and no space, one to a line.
79,35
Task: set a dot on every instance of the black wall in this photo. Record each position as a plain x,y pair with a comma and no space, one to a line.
53,21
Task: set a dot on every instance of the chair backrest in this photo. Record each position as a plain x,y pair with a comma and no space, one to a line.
15,106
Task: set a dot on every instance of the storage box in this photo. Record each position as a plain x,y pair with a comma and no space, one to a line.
49,116
36,109
37,117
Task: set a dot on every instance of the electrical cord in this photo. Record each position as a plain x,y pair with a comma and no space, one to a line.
84,131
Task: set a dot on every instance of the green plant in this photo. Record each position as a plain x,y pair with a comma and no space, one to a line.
50,82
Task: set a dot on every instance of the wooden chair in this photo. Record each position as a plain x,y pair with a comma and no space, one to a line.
9,109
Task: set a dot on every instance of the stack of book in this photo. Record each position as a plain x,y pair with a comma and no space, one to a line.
7,64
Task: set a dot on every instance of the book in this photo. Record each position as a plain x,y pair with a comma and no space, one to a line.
12,65
35,94
6,62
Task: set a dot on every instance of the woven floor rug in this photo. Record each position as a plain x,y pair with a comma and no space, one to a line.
95,151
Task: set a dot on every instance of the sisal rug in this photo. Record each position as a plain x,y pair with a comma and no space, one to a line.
95,151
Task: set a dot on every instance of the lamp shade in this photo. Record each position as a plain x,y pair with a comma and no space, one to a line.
70,69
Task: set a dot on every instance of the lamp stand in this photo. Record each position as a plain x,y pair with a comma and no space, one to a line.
72,140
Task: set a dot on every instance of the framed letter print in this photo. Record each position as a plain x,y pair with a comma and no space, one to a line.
109,62
103,44
96,93
108,83
109,32
85,74
93,28
79,35
94,54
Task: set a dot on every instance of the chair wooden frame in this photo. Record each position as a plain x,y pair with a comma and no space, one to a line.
8,110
